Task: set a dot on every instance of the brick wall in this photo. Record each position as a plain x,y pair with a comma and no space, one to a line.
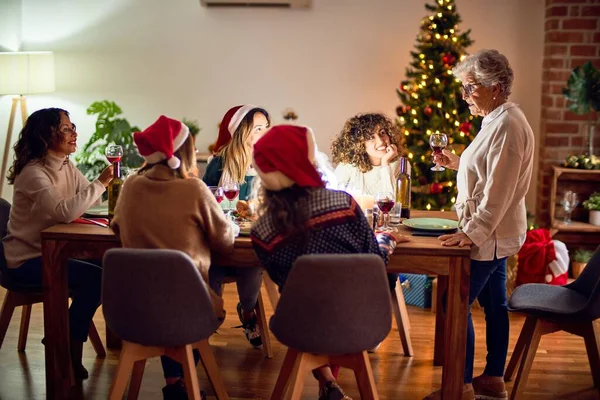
572,37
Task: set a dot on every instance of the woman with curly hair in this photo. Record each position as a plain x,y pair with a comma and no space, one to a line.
366,153
48,190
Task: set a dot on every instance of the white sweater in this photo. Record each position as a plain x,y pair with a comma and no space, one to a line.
45,194
493,178
378,179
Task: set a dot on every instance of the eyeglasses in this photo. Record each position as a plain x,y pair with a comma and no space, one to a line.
66,130
469,88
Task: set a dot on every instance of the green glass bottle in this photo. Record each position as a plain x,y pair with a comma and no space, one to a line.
114,188
403,188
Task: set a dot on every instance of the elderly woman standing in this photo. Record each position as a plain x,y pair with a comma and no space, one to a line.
493,178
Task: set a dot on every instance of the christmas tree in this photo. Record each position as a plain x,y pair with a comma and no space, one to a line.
432,102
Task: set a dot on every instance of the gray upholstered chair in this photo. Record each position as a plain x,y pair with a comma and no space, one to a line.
571,308
157,302
334,307
26,296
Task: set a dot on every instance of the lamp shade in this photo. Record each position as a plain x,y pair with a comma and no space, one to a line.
27,72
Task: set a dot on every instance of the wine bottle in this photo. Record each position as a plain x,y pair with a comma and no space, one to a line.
403,188
114,188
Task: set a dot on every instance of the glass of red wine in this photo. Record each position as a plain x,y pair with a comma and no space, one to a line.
231,191
114,153
438,142
217,191
385,202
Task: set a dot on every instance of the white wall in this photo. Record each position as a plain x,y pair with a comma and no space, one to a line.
327,63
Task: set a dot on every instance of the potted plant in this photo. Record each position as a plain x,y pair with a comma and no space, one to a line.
583,95
110,129
593,205
580,259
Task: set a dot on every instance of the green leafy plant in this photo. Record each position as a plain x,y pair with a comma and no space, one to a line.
593,203
583,95
192,125
110,129
582,256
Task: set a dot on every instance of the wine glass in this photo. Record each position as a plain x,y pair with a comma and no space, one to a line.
217,191
385,202
438,142
231,191
114,153
569,202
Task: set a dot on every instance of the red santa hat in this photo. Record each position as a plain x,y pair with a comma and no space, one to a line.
285,156
231,121
160,140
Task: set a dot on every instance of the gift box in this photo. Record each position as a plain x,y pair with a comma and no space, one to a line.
416,289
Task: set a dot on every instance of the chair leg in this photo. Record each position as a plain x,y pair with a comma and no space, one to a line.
190,375
264,326
301,369
284,374
364,377
591,346
524,338
6,313
24,329
212,369
96,341
124,369
272,290
136,379
402,321
527,360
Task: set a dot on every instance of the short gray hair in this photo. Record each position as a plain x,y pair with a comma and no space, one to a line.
487,67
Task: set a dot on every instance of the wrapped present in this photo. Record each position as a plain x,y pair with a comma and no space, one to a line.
417,289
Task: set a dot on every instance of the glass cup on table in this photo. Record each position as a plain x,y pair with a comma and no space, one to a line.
385,203
569,202
231,191
217,191
438,142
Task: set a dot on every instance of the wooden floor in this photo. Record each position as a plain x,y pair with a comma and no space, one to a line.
560,369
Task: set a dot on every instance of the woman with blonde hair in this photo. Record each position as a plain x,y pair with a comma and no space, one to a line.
240,128
165,206
492,180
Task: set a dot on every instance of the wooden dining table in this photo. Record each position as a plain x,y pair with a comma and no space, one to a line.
421,255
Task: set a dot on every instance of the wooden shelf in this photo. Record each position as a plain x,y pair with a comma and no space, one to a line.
563,170
575,226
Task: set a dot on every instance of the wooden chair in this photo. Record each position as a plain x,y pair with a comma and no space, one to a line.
333,309
158,303
572,308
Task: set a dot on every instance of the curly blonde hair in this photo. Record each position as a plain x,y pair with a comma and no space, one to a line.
349,145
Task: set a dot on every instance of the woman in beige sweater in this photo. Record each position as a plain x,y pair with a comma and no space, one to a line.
493,178
48,190
165,206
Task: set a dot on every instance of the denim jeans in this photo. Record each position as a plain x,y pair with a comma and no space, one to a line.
85,283
488,285
173,369
248,281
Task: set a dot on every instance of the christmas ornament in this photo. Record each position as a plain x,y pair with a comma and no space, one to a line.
400,111
428,111
448,59
436,188
465,127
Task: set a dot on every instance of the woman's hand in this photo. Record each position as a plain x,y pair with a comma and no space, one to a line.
391,152
106,175
459,239
447,159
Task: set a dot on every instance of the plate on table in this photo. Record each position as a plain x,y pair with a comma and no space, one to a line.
100,211
431,224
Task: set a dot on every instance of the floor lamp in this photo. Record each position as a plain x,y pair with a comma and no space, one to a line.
23,73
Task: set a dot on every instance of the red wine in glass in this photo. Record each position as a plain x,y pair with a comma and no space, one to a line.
437,149
386,205
438,141
231,194
113,159
219,198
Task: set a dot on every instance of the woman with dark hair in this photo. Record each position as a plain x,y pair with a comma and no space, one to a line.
48,189
240,128
298,215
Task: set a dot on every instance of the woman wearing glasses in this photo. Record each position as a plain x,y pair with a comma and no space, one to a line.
493,178
48,190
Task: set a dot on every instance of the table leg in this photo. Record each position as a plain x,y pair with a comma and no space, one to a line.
56,320
456,327
440,321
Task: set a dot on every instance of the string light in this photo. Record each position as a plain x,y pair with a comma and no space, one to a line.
454,112
453,199
430,66
428,206
437,81
462,57
454,39
456,123
438,36
421,56
449,72
402,120
456,80
434,26
449,183
462,134
406,132
439,104
441,2
410,155
447,115
416,96
423,83
424,76
449,7
422,158
413,111
445,36
451,30
439,15
428,132
431,18
453,151
416,121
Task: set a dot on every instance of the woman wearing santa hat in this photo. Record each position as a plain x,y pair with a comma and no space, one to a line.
165,206
48,190
297,208
240,128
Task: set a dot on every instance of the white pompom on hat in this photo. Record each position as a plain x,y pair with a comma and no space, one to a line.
161,140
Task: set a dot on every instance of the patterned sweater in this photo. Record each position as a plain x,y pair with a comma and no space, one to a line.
336,225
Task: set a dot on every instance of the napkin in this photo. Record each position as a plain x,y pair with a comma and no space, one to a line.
86,221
